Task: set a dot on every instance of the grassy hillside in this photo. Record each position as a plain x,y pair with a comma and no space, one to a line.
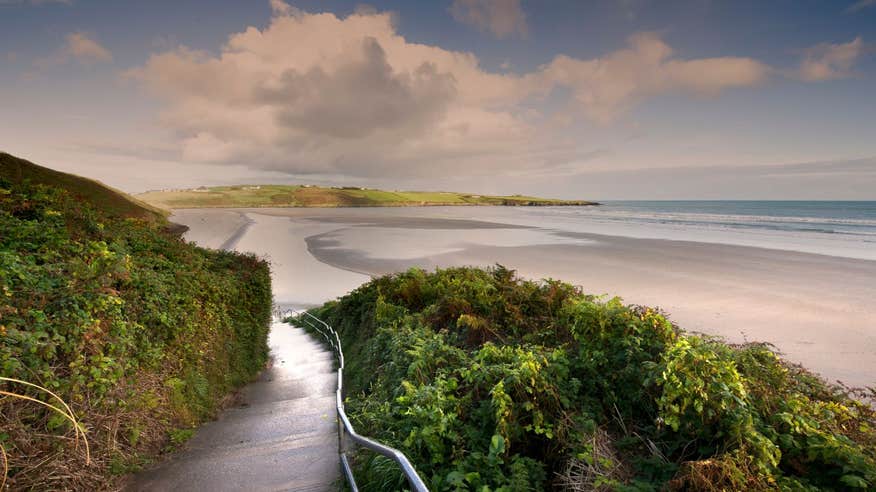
491,383
316,196
142,334
112,202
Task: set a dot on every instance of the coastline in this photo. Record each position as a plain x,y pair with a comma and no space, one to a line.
396,205
816,309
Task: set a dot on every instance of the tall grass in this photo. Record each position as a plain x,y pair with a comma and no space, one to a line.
66,412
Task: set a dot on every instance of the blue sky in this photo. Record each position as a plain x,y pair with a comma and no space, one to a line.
601,99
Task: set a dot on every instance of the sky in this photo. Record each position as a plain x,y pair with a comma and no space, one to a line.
597,99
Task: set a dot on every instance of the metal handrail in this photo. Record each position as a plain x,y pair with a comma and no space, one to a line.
345,428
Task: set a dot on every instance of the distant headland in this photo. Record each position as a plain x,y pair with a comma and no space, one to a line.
247,196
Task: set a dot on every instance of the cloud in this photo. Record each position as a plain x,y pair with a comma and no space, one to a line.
321,94
824,180
830,61
35,2
318,93
82,47
279,7
502,18
605,87
860,5
78,46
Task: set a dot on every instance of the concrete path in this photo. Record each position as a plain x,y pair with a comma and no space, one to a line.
282,436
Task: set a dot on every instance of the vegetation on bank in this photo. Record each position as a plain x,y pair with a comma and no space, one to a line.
317,196
488,382
15,171
140,333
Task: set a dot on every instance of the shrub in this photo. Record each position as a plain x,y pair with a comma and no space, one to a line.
138,331
489,382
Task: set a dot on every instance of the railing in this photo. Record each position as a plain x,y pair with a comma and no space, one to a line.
345,428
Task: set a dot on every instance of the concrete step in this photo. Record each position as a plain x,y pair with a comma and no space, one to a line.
282,436
304,464
320,384
267,423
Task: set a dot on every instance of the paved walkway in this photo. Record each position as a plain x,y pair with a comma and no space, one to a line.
282,436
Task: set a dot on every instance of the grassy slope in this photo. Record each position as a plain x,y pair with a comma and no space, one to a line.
114,202
141,333
314,196
488,382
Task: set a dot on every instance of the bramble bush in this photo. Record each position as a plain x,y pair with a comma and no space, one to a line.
140,332
492,383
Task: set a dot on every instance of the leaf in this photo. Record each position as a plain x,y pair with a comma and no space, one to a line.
497,445
854,481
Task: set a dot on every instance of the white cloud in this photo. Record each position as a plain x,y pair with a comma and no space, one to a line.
315,93
83,47
860,5
503,18
79,46
830,61
35,2
279,7
606,87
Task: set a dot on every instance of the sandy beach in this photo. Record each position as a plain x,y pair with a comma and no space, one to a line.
818,310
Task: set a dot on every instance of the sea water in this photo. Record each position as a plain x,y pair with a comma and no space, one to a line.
818,217
837,228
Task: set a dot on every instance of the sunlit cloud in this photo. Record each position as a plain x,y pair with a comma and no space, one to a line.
502,18
279,7
35,2
860,5
608,86
78,46
317,93
830,61
322,94
82,46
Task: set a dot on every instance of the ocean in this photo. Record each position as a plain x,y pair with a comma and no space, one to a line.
836,228
816,217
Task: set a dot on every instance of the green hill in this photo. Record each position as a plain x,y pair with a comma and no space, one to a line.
101,196
246,196
142,334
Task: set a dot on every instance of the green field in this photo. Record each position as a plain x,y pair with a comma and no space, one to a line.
317,196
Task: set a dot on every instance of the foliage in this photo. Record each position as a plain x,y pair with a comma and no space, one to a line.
99,195
137,330
488,382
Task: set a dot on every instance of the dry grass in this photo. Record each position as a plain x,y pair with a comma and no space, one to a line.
598,472
66,412
118,437
729,471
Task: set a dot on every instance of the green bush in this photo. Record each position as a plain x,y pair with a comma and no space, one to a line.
489,383
139,331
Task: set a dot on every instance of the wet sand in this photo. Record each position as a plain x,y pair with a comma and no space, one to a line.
818,310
